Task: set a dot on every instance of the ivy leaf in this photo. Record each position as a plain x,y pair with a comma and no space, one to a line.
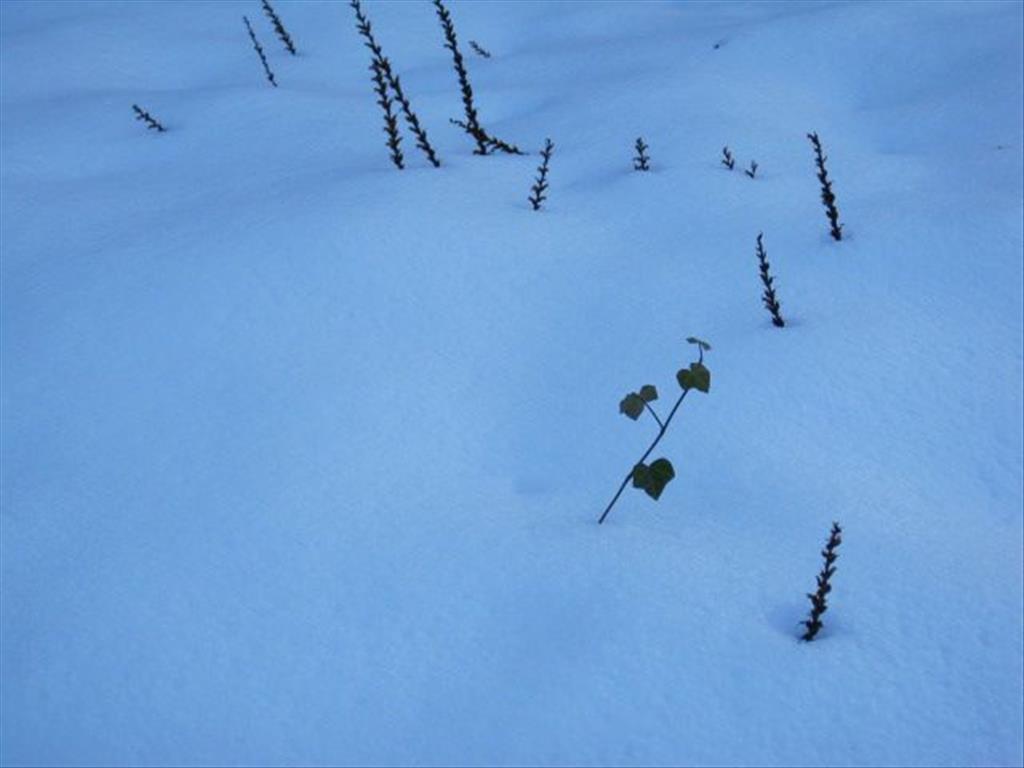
697,376
653,479
648,393
662,473
701,376
641,476
632,405
699,342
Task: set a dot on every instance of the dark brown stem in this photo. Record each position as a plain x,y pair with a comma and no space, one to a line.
827,196
452,44
393,81
540,184
641,162
484,141
819,598
150,121
769,299
410,117
479,50
727,159
282,33
259,51
377,67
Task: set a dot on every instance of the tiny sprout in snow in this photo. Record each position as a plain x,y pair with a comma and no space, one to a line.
538,193
642,161
479,50
151,122
727,159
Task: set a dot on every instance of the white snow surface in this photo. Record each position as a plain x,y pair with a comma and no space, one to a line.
302,455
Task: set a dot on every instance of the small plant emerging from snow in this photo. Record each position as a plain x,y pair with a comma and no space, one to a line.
382,73
282,33
771,303
259,52
540,184
150,121
727,159
410,117
652,478
752,170
642,162
827,196
390,121
478,50
819,597
471,125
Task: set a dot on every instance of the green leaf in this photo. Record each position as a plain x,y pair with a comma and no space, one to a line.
648,393
632,405
661,473
653,479
699,342
701,376
641,476
697,376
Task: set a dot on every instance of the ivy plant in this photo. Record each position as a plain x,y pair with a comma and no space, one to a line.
652,478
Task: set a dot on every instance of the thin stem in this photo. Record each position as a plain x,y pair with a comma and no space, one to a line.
661,433
651,410
151,122
382,62
282,33
651,447
259,51
540,184
452,44
380,68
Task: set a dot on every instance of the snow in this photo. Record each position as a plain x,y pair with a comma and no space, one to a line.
302,455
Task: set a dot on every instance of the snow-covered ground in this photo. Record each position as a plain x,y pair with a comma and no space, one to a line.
302,455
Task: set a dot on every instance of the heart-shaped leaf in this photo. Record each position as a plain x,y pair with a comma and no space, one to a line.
661,474
697,376
632,405
648,393
641,476
653,479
